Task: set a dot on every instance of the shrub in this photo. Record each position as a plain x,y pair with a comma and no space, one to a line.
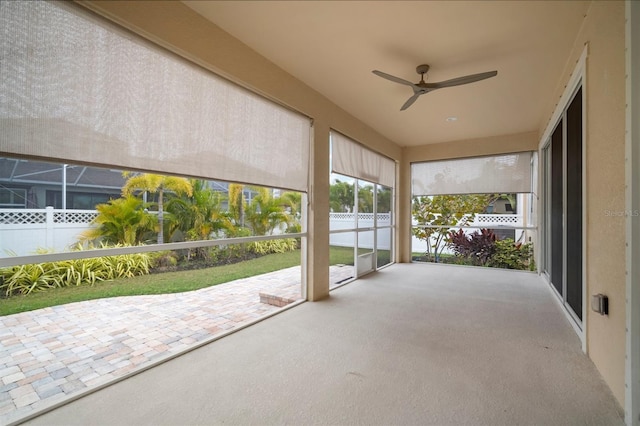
230,253
128,265
294,228
164,259
478,247
483,249
273,246
509,255
236,252
25,279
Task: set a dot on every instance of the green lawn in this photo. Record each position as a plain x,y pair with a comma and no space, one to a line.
344,255
168,282
340,255
165,283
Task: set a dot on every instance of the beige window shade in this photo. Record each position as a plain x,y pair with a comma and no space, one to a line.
77,89
352,159
507,174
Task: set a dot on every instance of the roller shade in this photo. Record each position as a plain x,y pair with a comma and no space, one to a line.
77,89
352,159
506,174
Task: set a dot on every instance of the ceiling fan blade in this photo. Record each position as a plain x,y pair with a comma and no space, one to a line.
462,80
392,78
410,101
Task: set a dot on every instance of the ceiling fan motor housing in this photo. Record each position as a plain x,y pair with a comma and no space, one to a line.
422,69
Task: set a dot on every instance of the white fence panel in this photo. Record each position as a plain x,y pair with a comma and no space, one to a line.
339,221
24,231
492,221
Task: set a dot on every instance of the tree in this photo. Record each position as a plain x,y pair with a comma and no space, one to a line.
200,215
511,198
365,199
237,203
157,184
122,221
291,202
265,213
384,199
341,197
445,212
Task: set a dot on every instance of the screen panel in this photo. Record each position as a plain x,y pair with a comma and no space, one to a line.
352,159
78,89
508,173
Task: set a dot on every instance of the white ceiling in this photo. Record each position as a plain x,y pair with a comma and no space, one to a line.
333,46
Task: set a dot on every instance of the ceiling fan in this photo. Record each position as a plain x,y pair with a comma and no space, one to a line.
422,87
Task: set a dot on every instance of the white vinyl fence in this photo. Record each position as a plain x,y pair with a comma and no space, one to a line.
339,221
23,231
495,222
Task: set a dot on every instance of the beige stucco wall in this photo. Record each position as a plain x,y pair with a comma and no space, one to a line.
176,27
603,33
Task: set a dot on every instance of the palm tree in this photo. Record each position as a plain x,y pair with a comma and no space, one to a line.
365,199
265,213
384,199
157,184
200,215
121,221
292,202
237,203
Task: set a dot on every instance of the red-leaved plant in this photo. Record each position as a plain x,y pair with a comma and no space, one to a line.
478,247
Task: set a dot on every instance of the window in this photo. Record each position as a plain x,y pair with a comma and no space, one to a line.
13,198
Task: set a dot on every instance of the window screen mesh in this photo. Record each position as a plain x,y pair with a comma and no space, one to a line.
77,89
510,173
352,159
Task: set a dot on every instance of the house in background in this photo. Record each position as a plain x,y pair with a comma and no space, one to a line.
47,189
30,184
568,88
26,184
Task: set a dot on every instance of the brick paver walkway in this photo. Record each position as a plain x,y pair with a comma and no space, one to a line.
51,354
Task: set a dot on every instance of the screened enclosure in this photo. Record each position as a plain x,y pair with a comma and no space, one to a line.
361,201
478,211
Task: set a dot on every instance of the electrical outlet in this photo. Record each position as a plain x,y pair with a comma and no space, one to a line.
600,304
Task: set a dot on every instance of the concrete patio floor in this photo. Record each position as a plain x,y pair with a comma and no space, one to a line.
51,355
410,345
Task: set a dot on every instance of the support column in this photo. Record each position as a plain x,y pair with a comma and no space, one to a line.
403,231
632,196
318,215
